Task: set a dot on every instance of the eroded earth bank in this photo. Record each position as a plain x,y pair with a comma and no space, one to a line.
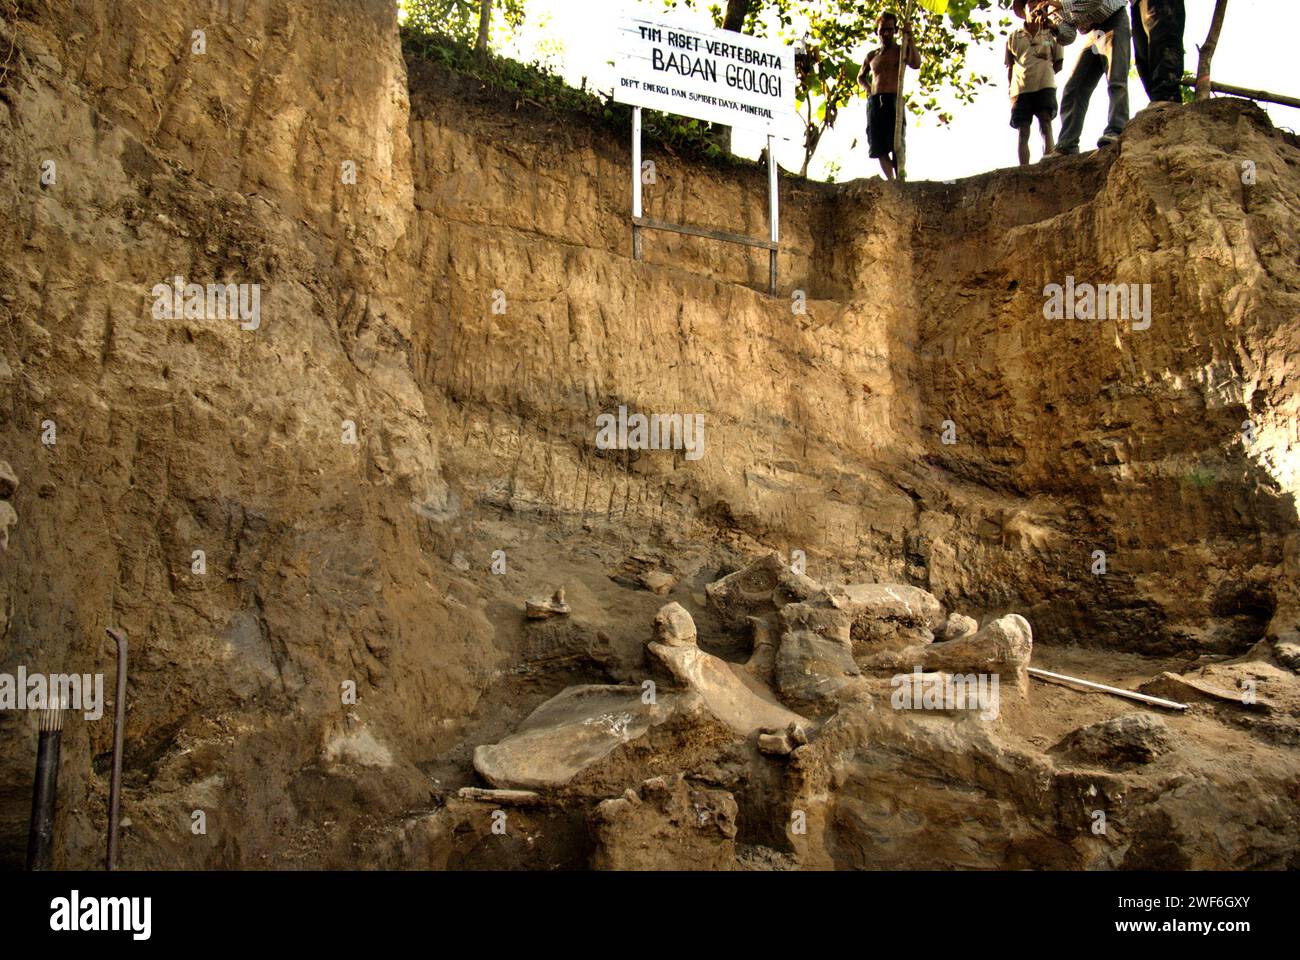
915,475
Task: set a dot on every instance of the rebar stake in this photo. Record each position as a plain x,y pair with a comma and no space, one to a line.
119,721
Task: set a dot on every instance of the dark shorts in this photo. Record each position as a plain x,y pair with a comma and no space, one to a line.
1027,106
880,124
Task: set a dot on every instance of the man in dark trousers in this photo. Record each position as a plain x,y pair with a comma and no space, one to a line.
1108,52
1158,48
879,74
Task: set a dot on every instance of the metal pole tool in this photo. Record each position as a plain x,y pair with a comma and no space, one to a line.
119,721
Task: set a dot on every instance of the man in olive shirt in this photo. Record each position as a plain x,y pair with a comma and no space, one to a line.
879,74
1034,57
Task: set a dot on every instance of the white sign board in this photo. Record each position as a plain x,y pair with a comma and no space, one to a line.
712,75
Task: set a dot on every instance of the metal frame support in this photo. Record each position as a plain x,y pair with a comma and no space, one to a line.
637,252
640,222
773,214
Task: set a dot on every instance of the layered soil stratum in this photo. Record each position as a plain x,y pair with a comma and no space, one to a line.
403,452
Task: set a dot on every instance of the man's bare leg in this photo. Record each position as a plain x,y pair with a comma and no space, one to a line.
1045,125
888,167
1024,143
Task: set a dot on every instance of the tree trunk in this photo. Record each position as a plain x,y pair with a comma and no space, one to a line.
737,11
484,25
812,137
1207,51
733,20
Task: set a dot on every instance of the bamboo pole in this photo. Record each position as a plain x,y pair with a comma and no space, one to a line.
1249,94
484,26
900,148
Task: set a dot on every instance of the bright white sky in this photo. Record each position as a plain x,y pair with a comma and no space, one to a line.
1256,50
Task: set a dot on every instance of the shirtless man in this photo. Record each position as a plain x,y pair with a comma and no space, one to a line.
879,75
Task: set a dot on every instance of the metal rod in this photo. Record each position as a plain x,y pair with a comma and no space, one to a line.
119,721
648,224
1117,691
1249,94
773,213
636,183
40,838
